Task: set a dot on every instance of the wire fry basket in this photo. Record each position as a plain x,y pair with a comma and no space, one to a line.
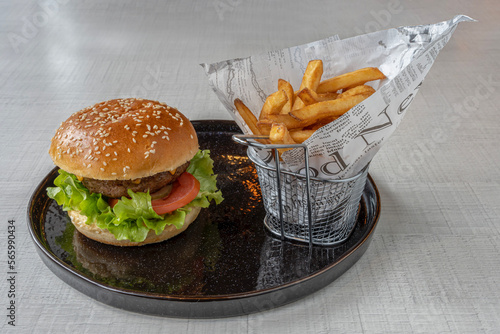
302,207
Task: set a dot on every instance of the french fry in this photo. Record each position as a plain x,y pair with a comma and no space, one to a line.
290,122
309,96
300,136
288,89
310,79
273,104
247,116
312,75
349,80
334,108
358,90
279,135
298,103
326,96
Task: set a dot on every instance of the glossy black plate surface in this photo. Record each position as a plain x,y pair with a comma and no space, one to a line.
225,264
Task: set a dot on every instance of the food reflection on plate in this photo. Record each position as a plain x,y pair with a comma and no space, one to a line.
148,268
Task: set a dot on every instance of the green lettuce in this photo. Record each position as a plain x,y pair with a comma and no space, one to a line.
132,218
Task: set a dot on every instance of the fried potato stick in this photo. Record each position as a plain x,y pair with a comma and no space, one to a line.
334,108
350,79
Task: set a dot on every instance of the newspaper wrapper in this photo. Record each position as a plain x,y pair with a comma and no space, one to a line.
339,152
344,147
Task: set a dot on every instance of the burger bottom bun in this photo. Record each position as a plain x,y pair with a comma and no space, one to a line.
93,232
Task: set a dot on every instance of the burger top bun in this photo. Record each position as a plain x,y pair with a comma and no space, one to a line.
124,139
104,236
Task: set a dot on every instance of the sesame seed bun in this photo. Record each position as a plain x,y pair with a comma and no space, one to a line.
124,139
93,232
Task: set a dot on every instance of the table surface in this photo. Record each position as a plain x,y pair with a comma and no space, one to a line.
433,264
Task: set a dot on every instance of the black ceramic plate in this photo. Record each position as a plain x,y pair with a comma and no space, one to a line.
225,264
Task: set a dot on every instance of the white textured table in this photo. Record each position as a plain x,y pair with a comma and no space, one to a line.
434,262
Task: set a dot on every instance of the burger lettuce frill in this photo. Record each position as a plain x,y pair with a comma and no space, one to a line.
132,218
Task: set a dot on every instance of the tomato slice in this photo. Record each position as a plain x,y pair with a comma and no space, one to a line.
112,201
184,190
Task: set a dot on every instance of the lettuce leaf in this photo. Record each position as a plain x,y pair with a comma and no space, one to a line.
201,167
132,218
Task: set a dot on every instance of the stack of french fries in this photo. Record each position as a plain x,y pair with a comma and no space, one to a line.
291,117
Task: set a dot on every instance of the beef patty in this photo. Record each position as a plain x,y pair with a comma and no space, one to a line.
118,188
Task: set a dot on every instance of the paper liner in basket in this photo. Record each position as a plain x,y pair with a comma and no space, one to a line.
345,146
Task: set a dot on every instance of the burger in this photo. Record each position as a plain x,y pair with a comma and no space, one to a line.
131,172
